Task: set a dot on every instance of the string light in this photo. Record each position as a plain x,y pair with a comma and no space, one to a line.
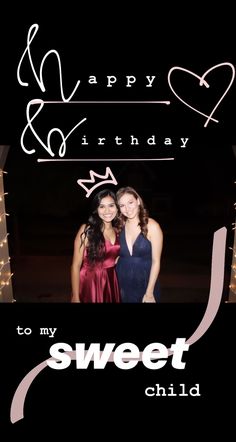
232,285
3,264
2,215
5,270
233,273
2,195
234,251
4,240
6,281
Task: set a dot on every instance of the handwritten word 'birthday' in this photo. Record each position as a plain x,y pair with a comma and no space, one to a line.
111,81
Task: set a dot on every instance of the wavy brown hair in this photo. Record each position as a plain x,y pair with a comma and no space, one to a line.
143,213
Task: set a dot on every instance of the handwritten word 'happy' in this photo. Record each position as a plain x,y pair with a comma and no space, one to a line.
111,81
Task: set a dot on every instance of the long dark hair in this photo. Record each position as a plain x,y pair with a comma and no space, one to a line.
94,228
143,213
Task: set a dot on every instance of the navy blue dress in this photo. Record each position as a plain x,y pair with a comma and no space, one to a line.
133,270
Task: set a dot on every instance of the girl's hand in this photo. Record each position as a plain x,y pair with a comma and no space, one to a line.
149,298
74,299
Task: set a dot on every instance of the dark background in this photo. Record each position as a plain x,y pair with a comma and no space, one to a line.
191,197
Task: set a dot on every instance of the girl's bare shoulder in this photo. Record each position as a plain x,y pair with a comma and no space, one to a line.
153,222
153,226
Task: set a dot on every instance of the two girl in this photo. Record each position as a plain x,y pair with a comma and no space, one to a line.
117,253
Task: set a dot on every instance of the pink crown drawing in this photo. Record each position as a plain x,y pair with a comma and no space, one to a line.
105,179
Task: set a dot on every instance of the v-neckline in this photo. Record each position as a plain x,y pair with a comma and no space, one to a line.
110,240
131,254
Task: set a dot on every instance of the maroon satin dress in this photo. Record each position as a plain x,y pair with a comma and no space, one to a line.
98,283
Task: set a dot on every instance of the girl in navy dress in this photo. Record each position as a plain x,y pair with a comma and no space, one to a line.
96,249
141,242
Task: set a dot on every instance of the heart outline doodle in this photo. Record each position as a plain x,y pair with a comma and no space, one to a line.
202,82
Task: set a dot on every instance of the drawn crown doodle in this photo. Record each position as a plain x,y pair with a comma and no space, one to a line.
104,179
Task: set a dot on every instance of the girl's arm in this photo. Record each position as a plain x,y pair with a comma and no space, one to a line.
155,236
79,247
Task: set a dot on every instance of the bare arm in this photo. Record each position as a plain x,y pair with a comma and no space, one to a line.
155,236
76,264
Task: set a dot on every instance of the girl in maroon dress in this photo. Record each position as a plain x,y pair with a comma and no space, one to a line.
96,249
